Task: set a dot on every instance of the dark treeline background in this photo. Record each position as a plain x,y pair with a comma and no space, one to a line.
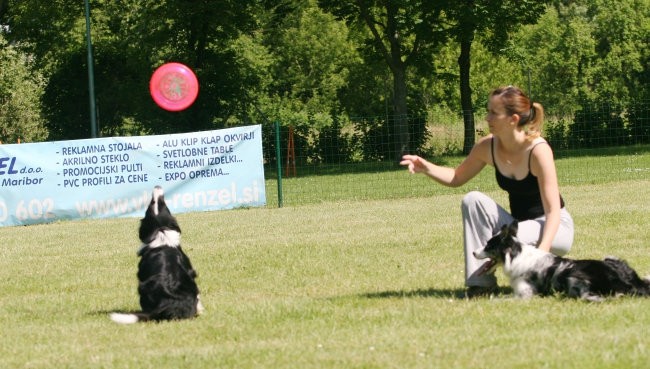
351,72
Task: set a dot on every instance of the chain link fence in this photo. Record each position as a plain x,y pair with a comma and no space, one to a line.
358,159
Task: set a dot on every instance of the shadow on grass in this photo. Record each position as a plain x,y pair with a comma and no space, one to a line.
116,311
430,293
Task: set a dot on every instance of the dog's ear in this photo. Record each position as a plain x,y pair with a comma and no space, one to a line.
513,228
504,229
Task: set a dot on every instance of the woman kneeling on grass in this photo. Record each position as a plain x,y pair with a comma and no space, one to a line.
524,167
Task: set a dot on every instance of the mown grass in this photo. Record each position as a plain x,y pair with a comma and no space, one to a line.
382,180
334,284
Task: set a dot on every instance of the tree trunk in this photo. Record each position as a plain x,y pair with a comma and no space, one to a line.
400,111
398,68
393,56
466,94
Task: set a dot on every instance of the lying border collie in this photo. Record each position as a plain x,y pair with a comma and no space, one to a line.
535,272
166,278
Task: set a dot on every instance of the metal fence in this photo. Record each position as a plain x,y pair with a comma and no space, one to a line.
356,159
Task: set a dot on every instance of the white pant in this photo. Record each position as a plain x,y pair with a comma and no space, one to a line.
483,218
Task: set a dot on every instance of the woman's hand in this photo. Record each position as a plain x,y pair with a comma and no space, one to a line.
414,163
451,177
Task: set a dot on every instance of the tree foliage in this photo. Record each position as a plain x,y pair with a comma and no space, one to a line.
589,51
317,65
402,34
20,92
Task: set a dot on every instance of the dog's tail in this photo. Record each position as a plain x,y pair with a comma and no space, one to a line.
129,318
637,286
646,280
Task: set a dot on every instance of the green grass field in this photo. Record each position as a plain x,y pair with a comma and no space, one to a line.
335,284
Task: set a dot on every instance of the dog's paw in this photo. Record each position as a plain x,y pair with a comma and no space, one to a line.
124,318
524,295
592,298
522,289
199,306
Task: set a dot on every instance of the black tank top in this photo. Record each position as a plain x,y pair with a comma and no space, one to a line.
524,195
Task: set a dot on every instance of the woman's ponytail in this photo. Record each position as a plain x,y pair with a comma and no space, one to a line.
534,120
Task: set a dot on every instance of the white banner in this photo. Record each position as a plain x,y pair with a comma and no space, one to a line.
114,177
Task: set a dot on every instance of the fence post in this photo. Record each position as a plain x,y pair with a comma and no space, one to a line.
278,155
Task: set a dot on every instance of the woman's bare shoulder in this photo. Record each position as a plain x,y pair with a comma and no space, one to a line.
541,148
484,142
482,149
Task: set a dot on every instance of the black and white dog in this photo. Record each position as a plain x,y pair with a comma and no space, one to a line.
535,272
166,278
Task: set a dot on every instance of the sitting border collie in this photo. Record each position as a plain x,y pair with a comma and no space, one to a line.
166,278
535,272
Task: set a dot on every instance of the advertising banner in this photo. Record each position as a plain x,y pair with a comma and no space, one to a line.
114,177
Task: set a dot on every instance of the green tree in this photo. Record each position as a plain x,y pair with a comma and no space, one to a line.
311,62
621,31
20,92
402,33
495,20
43,29
559,51
592,64
130,40
593,51
205,35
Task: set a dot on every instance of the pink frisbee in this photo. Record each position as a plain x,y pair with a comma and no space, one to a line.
174,86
